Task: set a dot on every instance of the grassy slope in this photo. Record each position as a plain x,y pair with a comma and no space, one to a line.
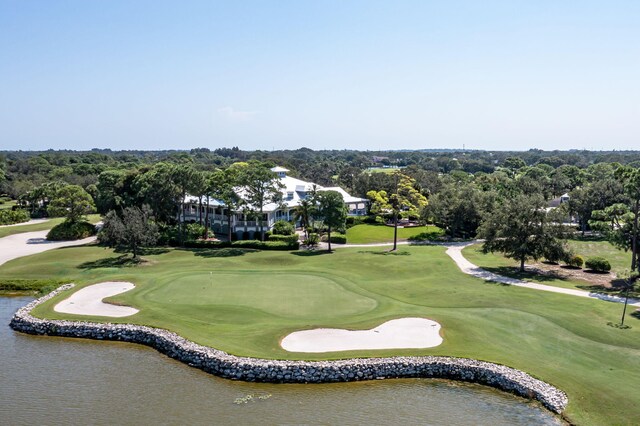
370,233
619,259
499,264
245,303
11,230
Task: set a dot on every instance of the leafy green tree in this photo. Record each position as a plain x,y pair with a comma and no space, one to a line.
261,187
225,185
513,164
332,211
72,202
304,212
459,210
156,187
521,229
405,201
135,229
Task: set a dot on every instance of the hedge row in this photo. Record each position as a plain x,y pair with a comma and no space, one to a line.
250,244
9,217
286,238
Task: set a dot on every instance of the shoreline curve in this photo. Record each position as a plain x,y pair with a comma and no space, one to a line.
233,367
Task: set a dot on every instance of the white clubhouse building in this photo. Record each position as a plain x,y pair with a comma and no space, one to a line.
293,191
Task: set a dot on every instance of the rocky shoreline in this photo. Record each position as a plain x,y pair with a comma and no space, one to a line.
281,371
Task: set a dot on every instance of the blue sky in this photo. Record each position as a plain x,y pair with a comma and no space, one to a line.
372,75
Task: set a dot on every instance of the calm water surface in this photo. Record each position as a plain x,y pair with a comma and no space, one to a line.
59,381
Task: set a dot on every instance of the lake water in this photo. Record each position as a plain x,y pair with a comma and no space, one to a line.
60,381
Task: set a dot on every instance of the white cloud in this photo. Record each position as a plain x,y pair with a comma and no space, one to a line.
231,114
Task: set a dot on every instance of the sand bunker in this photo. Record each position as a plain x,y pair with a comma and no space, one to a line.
403,333
88,301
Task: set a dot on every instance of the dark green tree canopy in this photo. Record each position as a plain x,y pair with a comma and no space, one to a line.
72,202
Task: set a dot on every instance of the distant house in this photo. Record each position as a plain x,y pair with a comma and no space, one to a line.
556,202
294,190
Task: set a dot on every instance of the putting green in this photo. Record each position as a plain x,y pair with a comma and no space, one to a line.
291,295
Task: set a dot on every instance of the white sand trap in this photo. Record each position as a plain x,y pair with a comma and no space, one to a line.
403,333
88,301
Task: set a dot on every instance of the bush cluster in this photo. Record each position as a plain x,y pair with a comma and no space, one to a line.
575,261
286,238
250,244
313,239
282,227
339,238
9,217
359,220
598,264
71,231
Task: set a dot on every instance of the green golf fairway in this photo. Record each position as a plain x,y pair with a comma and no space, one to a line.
244,302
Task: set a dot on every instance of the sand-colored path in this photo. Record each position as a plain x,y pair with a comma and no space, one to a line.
403,333
28,243
455,252
88,301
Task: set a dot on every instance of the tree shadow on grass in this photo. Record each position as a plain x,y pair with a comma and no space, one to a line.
386,252
123,261
636,314
512,272
307,253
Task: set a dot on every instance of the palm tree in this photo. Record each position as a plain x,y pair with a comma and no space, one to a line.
303,213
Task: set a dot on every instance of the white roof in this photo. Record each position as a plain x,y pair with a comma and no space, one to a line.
279,169
294,190
347,197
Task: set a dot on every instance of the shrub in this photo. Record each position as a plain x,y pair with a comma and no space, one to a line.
194,231
556,252
9,217
71,231
575,261
435,235
286,238
282,227
313,240
598,264
339,238
168,235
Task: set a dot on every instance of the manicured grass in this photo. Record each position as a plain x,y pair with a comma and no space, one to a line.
11,230
496,262
620,260
244,302
376,233
8,204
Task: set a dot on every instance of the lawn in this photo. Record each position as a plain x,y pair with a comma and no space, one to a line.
244,302
8,204
620,260
42,226
497,263
377,233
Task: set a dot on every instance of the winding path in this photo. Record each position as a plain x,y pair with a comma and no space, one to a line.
28,243
454,251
